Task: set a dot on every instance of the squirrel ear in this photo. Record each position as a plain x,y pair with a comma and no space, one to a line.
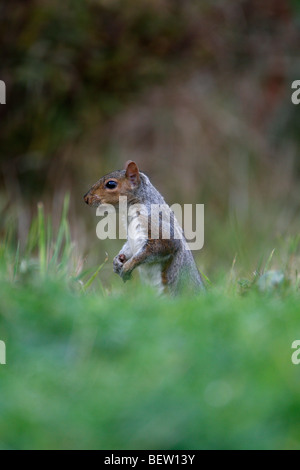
132,172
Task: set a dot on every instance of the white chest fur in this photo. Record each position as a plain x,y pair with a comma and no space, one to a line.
137,235
151,275
137,229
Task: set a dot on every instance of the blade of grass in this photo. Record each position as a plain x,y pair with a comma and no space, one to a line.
269,260
93,277
259,269
49,239
17,260
206,278
42,239
32,240
63,232
232,269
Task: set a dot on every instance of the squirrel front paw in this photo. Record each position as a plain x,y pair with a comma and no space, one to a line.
118,263
125,272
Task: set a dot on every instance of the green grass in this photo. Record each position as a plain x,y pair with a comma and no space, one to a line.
130,370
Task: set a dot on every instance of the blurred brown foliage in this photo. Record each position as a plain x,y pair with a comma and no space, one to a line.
197,92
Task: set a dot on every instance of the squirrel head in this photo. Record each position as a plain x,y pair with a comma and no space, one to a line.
118,183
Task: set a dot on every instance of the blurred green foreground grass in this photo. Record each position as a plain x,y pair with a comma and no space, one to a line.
128,370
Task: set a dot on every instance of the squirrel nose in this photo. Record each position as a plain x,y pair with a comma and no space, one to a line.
86,198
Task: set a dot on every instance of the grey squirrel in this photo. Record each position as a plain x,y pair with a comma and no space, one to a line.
166,263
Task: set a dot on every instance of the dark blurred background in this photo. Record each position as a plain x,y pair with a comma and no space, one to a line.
198,93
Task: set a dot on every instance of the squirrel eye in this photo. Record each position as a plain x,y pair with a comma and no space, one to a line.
111,185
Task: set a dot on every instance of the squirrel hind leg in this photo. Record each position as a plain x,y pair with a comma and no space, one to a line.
180,275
